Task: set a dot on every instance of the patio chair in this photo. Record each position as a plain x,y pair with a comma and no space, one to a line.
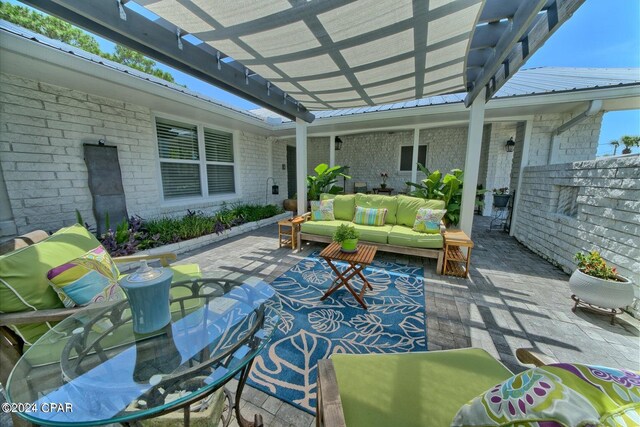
33,256
360,187
407,389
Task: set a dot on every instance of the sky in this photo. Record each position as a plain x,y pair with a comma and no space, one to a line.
601,33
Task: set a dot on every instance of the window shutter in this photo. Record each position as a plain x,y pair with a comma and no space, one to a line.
177,141
218,146
220,179
180,179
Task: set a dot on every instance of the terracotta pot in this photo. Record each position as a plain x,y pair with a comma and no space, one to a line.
290,204
626,150
600,292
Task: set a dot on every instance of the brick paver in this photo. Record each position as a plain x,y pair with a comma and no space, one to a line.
512,299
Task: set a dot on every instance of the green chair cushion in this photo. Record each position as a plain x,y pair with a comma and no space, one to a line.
322,228
379,201
405,236
23,275
408,208
374,233
344,205
412,389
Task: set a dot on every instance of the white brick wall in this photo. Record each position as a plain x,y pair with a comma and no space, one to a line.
42,129
608,217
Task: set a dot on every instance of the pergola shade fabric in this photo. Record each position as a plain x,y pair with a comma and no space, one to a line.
336,54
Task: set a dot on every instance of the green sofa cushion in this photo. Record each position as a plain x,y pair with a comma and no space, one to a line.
408,208
23,275
405,236
374,233
344,205
379,201
322,228
412,389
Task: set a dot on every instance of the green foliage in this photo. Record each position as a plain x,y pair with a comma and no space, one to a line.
345,232
592,264
58,29
447,188
324,180
630,142
501,191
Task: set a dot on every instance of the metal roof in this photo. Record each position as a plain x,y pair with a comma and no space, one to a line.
63,47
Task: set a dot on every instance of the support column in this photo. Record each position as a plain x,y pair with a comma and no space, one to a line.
472,162
301,165
332,151
414,159
524,162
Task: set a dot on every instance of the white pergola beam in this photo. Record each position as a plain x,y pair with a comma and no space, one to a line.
472,162
301,165
414,159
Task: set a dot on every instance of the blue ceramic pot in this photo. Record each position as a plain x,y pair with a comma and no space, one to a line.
148,292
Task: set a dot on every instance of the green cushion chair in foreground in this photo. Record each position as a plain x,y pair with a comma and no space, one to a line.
28,303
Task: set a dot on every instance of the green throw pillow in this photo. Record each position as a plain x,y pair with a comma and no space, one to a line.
558,395
23,276
369,216
322,210
408,208
428,220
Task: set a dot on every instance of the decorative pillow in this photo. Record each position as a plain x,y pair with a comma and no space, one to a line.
558,395
428,220
322,210
92,277
370,216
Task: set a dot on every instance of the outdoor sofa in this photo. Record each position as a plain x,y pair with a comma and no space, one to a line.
396,235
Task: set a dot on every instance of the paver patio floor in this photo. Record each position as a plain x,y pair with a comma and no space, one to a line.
513,299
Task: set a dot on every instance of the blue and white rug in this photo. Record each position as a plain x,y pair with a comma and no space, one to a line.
311,329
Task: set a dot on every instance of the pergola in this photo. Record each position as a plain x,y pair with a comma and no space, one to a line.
296,56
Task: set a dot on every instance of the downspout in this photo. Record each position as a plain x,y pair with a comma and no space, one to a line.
595,106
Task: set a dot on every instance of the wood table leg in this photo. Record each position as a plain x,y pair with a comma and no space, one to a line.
343,280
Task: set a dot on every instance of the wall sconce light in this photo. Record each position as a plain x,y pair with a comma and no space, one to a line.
510,145
338,145
275,189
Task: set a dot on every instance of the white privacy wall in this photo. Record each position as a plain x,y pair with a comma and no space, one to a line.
43,128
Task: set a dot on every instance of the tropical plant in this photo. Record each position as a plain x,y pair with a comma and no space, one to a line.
501,191
615,144
447,188
345,232
324,180
629,142
593,265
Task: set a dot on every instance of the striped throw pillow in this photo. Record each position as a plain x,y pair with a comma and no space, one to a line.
370,216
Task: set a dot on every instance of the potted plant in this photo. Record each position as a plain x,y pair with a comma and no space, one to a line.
324,180
501,197
595,283
347,236
384,176
629,142
291,204
447,188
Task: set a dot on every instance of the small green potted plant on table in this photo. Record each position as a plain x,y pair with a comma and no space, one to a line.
347,236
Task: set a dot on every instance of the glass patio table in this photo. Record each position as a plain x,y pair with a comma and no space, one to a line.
93,369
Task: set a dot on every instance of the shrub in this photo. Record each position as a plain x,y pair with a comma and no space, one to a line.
345,232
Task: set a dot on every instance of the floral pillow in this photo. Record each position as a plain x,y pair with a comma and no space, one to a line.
322,210
428,220
558,395
92,277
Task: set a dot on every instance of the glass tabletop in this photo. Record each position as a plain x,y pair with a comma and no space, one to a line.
93,369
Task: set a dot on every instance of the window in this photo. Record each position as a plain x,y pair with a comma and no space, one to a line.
195,161
406,157
568,200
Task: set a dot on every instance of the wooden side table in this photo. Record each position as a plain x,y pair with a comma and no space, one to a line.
288,230
455,262
357,261
386,190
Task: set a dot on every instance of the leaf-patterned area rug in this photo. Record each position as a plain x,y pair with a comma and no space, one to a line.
311,329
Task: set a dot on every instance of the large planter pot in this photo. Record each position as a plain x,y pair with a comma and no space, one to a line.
501,200
349,245
290,205
603,293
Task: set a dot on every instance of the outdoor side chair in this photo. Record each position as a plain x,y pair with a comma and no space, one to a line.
360,187
407,389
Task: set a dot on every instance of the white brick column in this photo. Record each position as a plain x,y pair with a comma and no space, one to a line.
301,165
524,162
332,151
414,159
472,162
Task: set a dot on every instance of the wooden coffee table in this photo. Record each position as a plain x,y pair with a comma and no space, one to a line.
357,261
